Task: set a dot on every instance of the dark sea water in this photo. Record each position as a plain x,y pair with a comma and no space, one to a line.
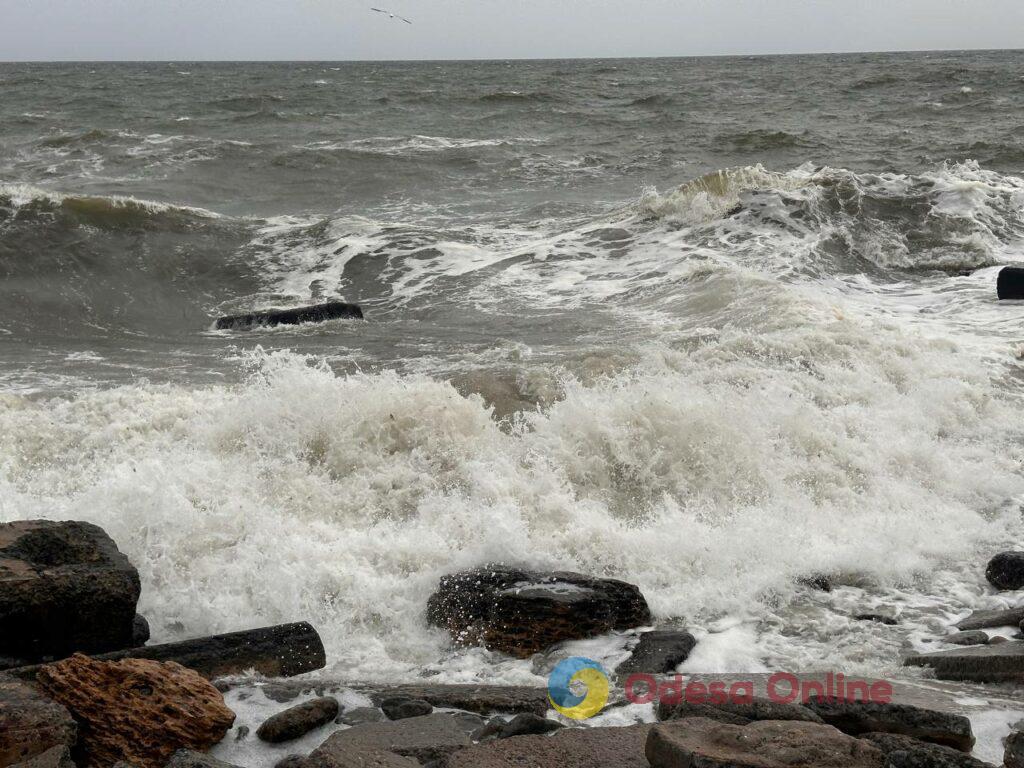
706,325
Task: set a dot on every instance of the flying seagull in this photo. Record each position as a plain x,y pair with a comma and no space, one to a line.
391,15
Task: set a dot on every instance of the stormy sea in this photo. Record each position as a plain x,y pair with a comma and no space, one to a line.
707,326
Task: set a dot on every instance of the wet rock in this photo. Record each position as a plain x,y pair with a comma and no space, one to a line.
1006,570
568,748
54,757
137,710
817,581
907,752
361,715
523,612
976,637
298,720
992,663
31,724
432,737
402,707
1010,617
859,717
481,699
292,761
520,725
140,631
185,758
658,652
703,743
880,618
345,756
64,587
1013,754
736,713
317,313
242,733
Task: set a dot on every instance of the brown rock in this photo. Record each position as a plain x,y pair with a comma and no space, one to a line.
568,748
737,713
703,743
137,710
523,612
30,724
298,720
54,757
64,587
423,738
920,754
859,717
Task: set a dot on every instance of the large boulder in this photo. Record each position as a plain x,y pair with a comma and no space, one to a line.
1006,570
298,720
136,710
568,748
658,652
523,612
31,724
425,739
860,717
64,587
703,743
1013,754
993,663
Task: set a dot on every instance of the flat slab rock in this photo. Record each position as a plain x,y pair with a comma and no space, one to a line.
920,754
31,724
64,587
703,743
568,748
524,612
987,619
433,737
858,717
737,713
1000,663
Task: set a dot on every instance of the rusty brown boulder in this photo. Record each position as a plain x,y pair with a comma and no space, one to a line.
64,587
523,612
136,710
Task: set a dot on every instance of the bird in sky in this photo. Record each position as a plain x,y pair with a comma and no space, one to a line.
391,15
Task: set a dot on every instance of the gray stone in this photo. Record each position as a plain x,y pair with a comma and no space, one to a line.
481,699
140,630
908,752
520,725
298,720
1009,617
186,758
433,737
55,757
30,723
1013,756
658,652
992,663
703,743
361,715
859,717
568,748
347,756
64,587
291,761
524,612
1006,570
736,713
878,618
402,707
975,637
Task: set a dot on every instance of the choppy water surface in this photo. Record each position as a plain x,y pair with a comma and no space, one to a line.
704,325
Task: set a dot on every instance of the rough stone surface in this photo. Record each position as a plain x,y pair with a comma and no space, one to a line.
1006,570
30,724
140,631
520,725
703,743
658,652
64,587
908,752
522,612
1009,617
185,758
136,710
54,757
992,663
298,720
1013,756
736,713
568,748
402,707
291,761
361,715
976,637
859,717
346,756
433,737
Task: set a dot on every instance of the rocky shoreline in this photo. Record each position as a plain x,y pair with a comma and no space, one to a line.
81,689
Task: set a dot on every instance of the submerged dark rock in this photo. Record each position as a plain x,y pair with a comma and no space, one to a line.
1006,570
658,652
523,612
313,314
1010,283
64,587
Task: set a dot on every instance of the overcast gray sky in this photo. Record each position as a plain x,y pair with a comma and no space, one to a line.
448,29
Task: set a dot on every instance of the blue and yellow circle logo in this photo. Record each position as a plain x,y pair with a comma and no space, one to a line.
586,674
